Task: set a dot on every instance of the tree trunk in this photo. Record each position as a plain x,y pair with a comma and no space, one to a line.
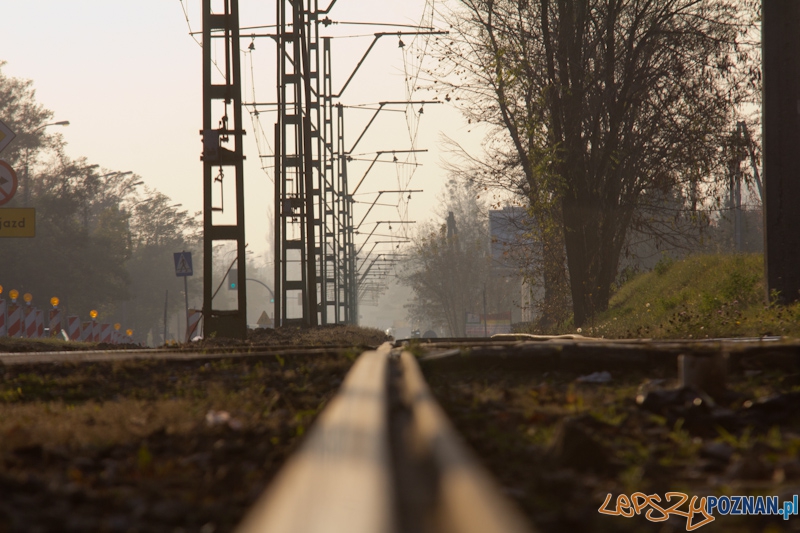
593,239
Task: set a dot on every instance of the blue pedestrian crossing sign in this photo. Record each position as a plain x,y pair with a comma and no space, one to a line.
183,264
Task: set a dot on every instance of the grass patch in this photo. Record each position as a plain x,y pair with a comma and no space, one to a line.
702,296
558,447
152,445
16,345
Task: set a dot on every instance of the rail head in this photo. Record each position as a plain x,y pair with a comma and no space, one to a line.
382,458
465,499
340,478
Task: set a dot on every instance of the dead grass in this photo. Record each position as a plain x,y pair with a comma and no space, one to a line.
703,296
16,345
91,446
558,447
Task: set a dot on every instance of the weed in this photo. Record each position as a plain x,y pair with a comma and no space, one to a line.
699,297
414,348
663,265
143,457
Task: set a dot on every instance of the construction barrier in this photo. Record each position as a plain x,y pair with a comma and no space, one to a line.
55,322
86,331
74,328
30,323
14,320
39,323
26,321
194,324
105,333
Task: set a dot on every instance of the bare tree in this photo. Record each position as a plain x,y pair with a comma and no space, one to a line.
599,107
448,265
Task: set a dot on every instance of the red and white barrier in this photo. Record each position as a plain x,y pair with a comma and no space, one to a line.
14,320
39,323
55,322
194,323
30,323
95,332
74,327
105,333
2,318
86,331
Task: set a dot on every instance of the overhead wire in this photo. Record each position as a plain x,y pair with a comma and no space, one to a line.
193,33
261,137
411,73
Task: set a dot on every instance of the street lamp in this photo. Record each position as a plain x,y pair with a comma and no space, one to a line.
116,175
158,224
27,195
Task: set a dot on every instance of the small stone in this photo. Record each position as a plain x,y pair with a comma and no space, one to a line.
576,446
718,451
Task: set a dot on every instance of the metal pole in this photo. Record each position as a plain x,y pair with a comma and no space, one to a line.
166,300
186,299
781,134
485,326
278,247
27,195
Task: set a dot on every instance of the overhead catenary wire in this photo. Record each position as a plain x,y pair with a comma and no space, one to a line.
405,167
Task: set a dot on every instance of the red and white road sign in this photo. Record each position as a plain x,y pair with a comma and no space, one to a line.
105,333
74,328
14,320
8,182
55,322
86,331
30,323
194,323
39,323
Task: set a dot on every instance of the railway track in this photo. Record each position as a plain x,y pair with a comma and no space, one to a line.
383,457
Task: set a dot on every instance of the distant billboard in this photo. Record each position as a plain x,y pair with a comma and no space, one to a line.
479,325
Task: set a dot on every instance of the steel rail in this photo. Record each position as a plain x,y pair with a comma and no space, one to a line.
78,356
563,352
382,458
340,479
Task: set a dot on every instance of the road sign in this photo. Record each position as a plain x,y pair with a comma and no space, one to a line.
17,222
6,136
264,320
183,264
8,182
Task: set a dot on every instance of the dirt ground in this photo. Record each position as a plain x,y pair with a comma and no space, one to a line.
182,446
338,335
559,442
157,446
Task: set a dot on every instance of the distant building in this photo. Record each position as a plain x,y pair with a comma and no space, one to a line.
514,251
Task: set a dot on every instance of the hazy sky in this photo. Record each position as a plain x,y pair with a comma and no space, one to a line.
127,76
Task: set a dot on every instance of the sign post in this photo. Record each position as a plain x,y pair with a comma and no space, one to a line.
183,268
